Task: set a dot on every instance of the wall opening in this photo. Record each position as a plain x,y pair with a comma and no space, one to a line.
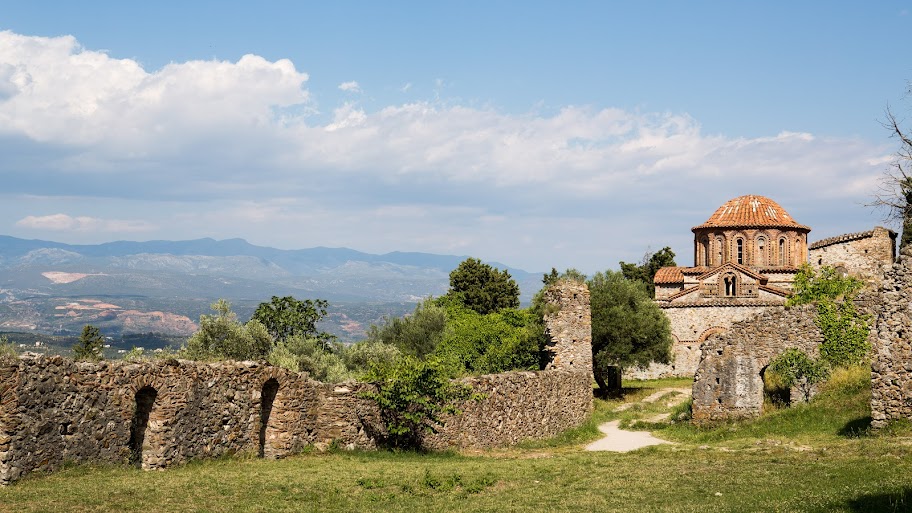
740,244
145,398
775,394
782,255
267,398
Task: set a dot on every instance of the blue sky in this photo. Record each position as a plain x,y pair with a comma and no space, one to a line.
535,134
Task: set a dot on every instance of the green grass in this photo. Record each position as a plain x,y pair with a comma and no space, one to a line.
799,459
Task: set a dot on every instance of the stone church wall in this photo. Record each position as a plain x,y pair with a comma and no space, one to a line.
155,414
891,365
863,254
690,326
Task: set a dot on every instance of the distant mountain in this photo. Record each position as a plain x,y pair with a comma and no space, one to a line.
43,282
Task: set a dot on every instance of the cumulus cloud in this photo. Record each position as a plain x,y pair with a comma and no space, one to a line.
64,222
241,135
350,87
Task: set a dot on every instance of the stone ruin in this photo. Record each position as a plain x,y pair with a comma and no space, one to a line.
155,414
891,365
728,384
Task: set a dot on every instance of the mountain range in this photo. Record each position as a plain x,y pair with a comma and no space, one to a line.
163,286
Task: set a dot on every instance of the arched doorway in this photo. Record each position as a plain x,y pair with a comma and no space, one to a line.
267,398
145,398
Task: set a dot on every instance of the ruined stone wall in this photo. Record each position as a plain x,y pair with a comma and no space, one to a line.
569,327
728,384
54,410
690,326
159,413
863,254
891,365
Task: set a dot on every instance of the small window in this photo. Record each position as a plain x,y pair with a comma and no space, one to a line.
740,244
782,255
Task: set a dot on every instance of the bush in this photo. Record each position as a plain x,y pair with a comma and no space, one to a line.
797,369
412,396
417,334
305,354
359,357
222,336
7,348
490,343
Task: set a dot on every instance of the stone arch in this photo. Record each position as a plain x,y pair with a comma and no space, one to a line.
269,391
144,401
709,332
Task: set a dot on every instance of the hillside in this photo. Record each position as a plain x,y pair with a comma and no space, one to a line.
164,286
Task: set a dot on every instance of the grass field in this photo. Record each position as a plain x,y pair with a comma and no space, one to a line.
817,457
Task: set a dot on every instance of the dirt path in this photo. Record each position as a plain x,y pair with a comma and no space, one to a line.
620,440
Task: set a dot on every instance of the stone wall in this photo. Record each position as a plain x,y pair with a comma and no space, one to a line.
863,254
690,326
156,414
891,365
728,384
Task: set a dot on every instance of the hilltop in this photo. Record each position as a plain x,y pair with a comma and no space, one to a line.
163,286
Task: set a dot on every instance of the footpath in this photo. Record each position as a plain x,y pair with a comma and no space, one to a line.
621,440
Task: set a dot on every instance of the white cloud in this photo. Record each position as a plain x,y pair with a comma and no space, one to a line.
234,141
350,87
63,222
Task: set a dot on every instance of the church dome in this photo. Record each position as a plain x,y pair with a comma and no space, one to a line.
751,211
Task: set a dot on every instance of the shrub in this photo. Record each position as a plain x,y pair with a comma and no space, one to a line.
7,348
417,334
307,354
222,336
797,369
412,396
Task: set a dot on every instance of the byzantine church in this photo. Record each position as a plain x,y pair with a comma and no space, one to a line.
746,256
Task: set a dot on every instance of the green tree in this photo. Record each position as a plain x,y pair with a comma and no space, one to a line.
845,330
628,328
646,270
417,334
812,286
500,341
90,345
483,288
413,395
222,336
286,317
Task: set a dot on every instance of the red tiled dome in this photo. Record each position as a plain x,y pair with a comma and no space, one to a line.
751,210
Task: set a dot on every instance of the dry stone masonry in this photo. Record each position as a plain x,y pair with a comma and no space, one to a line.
155,414
891,365
728,384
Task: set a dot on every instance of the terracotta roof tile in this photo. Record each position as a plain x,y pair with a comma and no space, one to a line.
751,210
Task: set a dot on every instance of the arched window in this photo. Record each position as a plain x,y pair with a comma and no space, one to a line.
704,244
782,255
761,251
720,251
740,245
730,283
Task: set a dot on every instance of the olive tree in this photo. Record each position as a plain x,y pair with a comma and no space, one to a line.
628,328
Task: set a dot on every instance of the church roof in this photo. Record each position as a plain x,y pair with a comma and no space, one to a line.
751,211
